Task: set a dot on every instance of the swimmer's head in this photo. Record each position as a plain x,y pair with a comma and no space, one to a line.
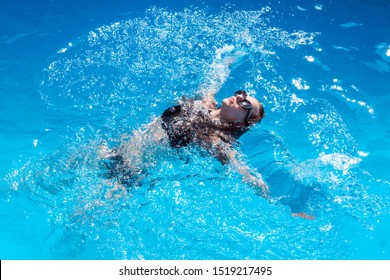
242,109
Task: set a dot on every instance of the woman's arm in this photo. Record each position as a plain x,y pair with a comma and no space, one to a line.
214,81
227,155
218,74
253,178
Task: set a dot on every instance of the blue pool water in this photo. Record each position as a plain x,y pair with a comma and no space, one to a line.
75,74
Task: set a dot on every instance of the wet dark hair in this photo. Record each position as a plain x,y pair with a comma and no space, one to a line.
258,117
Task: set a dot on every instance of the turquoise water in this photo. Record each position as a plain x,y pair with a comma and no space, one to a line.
321,70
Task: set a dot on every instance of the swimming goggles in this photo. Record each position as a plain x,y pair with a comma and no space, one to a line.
244,103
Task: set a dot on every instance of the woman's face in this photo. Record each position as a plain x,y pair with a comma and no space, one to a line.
232,112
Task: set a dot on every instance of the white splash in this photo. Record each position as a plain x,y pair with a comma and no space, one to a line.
336,87
326,227
309,58
362,154
300,84
355,88
296,100
383,50
64,50
339,161
225,49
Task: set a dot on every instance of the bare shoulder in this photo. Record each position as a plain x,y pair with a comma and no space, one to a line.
209,104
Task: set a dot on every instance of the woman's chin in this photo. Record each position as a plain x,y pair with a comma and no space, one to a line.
226,103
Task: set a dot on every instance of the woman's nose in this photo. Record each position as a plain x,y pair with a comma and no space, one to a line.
239,98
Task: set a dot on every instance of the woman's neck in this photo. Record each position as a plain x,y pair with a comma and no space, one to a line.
222,122
215,116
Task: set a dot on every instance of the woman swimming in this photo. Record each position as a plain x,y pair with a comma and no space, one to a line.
194,122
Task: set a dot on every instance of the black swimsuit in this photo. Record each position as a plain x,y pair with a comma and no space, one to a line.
177,126
184,123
